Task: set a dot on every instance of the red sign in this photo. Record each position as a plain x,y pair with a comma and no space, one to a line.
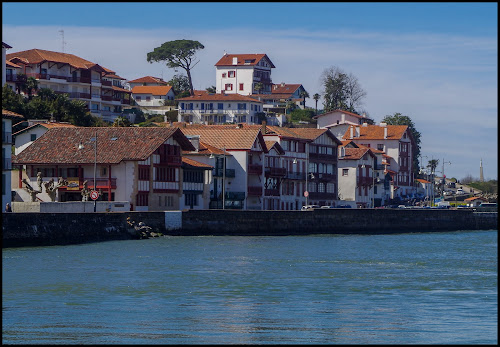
94,194
306,193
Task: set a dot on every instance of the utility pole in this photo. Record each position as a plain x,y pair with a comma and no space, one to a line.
444,177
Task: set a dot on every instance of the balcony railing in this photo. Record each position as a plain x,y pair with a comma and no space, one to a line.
326,176
255,169
76,95
365,181
296,175
275,171
106,98
255,191
331,157
79,79
271,192
106,83
229,173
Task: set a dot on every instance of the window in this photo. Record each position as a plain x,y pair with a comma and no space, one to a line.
380,146
220,106
142,199
242,106
33,137
191,199
241,86
345,172
228,86
138,98
148,98
231,74
224,75
165,174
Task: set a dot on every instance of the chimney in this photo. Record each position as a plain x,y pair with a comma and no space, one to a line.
264,125
352,131
385,133
357,131
195,141
365,124
235,60
282,84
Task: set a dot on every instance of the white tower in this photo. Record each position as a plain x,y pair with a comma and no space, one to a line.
481,177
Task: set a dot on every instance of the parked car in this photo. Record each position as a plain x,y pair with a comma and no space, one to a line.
460,191
344,206
326,206
309,207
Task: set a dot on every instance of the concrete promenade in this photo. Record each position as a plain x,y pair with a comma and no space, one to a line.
38,229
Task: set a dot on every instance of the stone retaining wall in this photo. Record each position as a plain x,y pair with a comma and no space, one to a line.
38,229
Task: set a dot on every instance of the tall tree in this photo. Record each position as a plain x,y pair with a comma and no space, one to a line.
354,93
304,94
258,87
31,87
178,53
334,82
399,119
341,91
316,98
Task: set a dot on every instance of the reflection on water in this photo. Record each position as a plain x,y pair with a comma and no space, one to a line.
396,289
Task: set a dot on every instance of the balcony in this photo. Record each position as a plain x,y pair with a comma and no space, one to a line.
271,192
79,79
106,98
254,191
296,175
321,156
275,171
106,83
365,181
230,173
254,169
76,95
326,176
125,101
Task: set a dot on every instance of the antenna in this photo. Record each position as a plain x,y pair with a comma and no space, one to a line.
63,42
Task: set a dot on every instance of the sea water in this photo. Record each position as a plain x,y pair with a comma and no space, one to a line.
415,288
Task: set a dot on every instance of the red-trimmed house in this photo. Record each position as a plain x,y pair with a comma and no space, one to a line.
141,165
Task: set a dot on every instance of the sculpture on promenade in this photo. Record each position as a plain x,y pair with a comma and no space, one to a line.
85,191
51,187
30,190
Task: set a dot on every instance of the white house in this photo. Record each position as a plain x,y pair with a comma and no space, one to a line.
338,121
8,118
239,73
398,143
146,81
154,99
205,108
141,165
356,176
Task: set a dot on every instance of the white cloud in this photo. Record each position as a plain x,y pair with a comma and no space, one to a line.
446,84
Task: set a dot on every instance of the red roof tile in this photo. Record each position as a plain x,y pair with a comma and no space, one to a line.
35,56
284,88
355,153
149,79
254,59
155,90
114,145
230,138
376,132
193,163
11,115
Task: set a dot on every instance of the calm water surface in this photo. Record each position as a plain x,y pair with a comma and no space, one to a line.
419,288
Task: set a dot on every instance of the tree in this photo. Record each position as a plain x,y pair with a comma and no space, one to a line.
178,53
334,82
211,89
354,93
432,165
30,87
304,94
399,119
12,101
258,87
179,83
121,121
316,98
341,91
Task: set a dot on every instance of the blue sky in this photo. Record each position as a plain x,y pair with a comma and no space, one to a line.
434,62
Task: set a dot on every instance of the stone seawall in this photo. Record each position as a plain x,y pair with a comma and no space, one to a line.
38,229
